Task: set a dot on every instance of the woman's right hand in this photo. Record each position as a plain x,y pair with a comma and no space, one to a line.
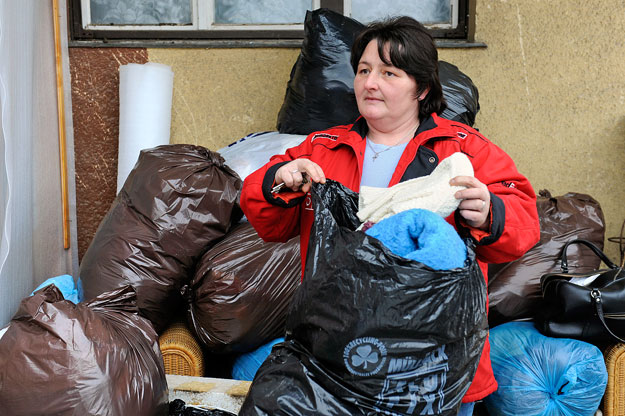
292,174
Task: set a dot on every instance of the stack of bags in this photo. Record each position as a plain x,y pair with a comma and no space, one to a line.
171,245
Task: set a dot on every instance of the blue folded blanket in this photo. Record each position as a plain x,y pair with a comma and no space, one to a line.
424,236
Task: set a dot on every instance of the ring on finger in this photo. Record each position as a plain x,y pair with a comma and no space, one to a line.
295,171
483,204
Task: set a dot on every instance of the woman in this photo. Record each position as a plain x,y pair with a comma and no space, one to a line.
400,136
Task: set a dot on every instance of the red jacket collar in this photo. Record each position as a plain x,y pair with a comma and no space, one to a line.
431,128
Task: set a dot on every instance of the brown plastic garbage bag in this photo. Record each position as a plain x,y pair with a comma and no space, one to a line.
241,291
176,202
514,288
97,358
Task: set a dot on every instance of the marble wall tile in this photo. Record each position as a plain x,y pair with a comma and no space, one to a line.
95,106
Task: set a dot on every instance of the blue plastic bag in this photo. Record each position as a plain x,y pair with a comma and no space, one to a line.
246,365
543,376
65,283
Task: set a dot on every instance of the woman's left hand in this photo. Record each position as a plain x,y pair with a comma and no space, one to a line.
475,204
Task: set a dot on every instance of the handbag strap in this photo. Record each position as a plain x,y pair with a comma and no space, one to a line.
595,295
565,265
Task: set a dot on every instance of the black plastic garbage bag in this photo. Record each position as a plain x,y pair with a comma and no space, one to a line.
460,93
179,408
370,332
320,91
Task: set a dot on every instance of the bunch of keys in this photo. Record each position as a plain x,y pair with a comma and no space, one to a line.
280,187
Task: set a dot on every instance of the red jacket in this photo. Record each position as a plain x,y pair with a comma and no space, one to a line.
340,151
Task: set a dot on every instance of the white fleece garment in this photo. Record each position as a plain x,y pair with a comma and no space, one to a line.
431,192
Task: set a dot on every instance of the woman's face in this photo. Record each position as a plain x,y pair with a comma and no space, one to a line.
384,93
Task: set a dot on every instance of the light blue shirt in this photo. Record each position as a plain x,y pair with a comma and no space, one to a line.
380,163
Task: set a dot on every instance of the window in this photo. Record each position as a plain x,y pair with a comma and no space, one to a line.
247,20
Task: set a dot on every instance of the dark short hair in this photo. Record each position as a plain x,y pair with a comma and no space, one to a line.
411,49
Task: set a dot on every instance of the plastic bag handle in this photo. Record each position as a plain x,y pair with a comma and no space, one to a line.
565,265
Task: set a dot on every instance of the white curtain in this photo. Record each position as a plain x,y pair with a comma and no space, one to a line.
425,11
144,12
31,229
261,11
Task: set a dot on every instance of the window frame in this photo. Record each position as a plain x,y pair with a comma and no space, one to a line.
183,37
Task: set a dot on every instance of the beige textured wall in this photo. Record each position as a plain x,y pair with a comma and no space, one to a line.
551,83
552,94
221,95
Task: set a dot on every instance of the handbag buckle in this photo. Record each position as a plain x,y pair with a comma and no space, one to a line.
595,294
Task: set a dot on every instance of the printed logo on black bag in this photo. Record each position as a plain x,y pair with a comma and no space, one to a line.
364,356
415,385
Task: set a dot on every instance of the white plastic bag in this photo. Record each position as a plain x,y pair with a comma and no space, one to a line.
254,150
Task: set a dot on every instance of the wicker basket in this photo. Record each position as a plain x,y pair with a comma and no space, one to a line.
614,397
182,354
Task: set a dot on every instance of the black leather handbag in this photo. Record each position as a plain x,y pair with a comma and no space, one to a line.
587,306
